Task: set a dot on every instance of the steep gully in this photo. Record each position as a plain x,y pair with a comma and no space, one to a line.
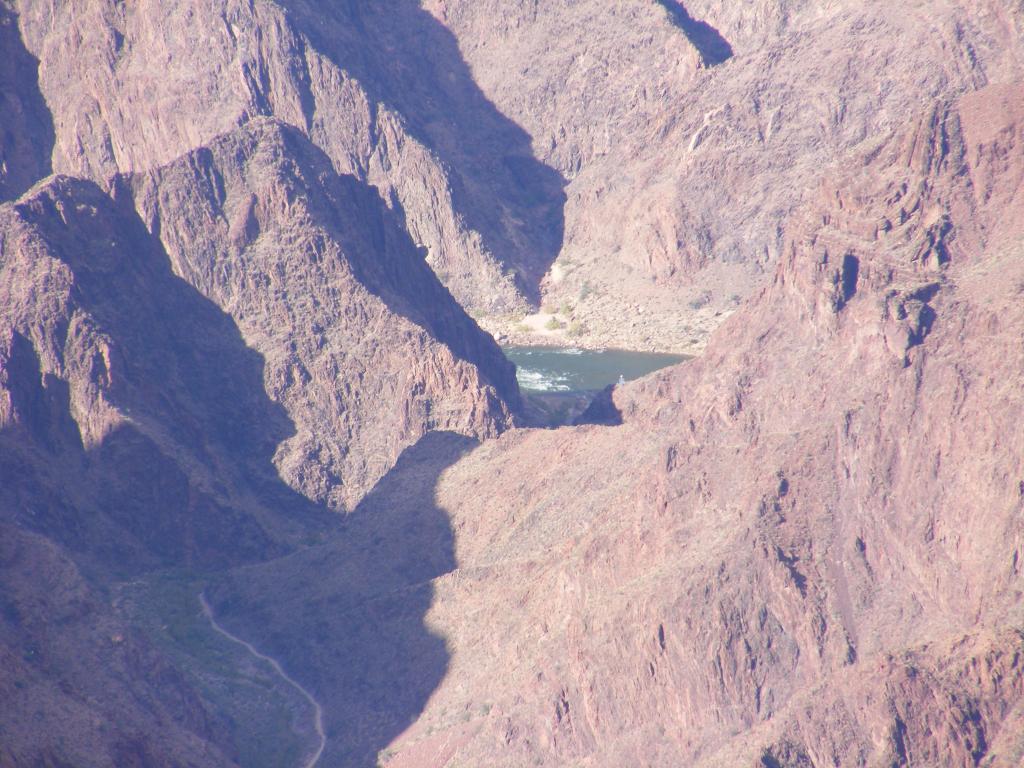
318,712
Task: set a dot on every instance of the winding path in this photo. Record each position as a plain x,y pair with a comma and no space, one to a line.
318,711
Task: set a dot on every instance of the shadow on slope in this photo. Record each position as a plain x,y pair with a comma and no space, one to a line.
602,410
26,127
714,48
187,478
407,60
387,262
346,617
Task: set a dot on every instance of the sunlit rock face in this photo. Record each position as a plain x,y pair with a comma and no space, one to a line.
802,546
233,361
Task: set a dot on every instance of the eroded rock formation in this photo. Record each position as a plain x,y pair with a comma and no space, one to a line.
382,90
801,548
219,328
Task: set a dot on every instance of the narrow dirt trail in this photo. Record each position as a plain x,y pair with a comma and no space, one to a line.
318,711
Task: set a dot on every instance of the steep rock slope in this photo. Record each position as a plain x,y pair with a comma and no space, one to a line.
380,88
199,360
142,427
133,415
689,132
364,348
829,534
26,135
352,624
134,434
94,693
802,548
818,562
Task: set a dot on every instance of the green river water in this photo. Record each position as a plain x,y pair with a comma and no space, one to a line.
554,370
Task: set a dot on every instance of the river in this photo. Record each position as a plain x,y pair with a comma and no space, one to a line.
555,369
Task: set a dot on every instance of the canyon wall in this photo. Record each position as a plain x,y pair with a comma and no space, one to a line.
689,132
800,549
234,312
381,90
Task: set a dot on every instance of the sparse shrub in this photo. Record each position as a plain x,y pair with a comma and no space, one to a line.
585,290
522,328
566,308
554,324
549,309
701,301
576,329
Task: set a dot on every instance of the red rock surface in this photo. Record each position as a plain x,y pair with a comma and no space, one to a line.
800,549
141,428
689,132
133,87
684,135
325,284
27,136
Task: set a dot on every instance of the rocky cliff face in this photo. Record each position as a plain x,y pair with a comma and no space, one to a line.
132,436
326,285
633,163
131,404
800,549
381,90
689,132
817,562
199,362
26,138
220,326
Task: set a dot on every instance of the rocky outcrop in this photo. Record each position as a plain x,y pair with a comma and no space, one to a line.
132,87
133,415
26,136
342,312
800,548
143,427
364,348
636,163
685,165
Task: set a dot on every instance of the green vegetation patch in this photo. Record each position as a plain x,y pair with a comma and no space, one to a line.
259,708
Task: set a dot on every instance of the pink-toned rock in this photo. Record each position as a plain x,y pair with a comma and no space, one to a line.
690,131
26,138
364,348
802,548
132,87
799,549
